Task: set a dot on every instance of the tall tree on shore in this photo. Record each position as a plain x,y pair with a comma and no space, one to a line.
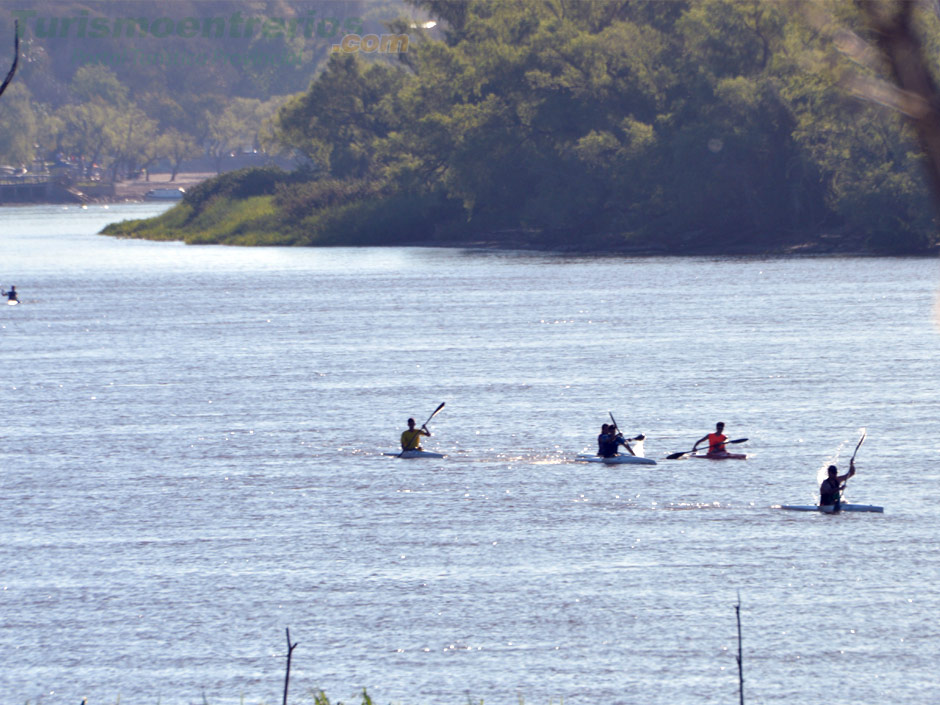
347,110
19,126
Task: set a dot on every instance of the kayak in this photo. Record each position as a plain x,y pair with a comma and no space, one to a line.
12,302
415,454
616,460
725,456
830,509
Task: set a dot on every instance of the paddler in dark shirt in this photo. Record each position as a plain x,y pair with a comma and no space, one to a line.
609,440
411,439
603,439
11,294
830,491
716,441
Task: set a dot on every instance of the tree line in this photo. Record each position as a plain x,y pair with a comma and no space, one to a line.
705,126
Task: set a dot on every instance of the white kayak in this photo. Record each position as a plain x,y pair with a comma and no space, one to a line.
616,460
415,454
830,509
12,302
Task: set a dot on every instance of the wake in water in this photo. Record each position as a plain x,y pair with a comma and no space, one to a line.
833,459
822,472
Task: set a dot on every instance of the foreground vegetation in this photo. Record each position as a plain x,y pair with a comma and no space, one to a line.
709,126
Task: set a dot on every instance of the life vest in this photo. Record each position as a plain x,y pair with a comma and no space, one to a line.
716,443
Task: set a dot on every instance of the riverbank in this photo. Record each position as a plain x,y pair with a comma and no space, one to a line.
268,206
255,221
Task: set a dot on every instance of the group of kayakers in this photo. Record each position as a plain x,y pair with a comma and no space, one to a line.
611,439
608,441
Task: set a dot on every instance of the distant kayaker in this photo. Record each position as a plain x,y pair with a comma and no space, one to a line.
411,439
830,491
716,441
11,294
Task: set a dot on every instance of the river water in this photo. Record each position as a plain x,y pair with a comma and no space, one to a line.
191,462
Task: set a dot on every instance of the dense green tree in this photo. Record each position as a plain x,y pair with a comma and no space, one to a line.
134,142
177,146
18,126
337,122
238,126
100,84
702,126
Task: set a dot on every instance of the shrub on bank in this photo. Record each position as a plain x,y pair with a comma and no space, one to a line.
384,220
242,183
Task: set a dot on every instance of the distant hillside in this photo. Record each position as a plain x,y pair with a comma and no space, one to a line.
172,80
244,49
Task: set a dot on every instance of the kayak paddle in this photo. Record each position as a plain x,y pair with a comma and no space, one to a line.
852,460
405,450
676,456
618,431
638,438
860,441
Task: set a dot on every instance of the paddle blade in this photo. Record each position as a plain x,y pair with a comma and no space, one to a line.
434,414
638,449
860,441
740,440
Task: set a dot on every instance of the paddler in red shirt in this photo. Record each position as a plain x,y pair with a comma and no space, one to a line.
716,441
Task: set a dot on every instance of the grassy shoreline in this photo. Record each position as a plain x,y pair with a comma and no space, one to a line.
270,207
255,222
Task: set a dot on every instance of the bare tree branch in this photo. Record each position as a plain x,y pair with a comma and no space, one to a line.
16,56
919,97
290,651
897,54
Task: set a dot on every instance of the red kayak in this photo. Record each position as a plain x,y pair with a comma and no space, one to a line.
720,456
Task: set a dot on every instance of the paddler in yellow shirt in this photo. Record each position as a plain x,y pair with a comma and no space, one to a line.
411,439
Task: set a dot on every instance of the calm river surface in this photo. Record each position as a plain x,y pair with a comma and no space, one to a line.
191,461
